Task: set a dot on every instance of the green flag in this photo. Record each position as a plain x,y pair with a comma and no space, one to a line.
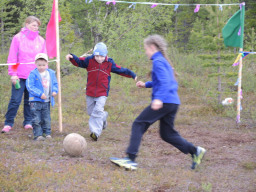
233,31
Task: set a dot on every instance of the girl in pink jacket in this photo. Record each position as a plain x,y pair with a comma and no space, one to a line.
24,47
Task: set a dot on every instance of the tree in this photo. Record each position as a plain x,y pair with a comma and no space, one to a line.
8,11
120,24
206,37
182,25
250,42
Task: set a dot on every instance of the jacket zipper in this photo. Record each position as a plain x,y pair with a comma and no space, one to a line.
97,81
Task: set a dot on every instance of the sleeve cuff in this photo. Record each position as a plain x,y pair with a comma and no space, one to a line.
159,98
148,84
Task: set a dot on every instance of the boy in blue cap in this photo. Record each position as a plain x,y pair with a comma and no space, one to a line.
99,67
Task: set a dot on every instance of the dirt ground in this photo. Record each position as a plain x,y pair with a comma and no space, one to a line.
229,165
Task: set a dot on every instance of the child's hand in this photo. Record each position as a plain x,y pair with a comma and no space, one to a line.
54,94
43,96
156,104
135,79
68,57
140,84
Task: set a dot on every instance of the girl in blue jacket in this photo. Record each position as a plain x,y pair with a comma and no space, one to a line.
164,106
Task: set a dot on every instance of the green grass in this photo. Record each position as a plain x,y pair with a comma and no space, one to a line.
249,165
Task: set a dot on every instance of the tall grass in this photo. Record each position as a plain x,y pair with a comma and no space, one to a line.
193,77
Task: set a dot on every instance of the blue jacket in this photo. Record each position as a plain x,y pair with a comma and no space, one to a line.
99,75
165,87
35,87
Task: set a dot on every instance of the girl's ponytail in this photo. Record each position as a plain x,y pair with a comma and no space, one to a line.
161,45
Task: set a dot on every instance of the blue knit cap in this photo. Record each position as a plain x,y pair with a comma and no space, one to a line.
100,49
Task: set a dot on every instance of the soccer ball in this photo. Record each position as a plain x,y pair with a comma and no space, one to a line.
74,145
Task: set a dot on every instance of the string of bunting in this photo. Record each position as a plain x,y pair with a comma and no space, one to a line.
153,5
2,64
242,54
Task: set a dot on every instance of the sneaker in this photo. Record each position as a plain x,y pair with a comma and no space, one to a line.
6,129
39,138
197,158
94,136
28,126
48,137
126,162
105,123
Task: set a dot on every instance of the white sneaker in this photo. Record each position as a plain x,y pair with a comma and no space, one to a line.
48,137
40,138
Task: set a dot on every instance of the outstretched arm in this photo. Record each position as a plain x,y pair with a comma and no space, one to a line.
140,84
122,71
78,61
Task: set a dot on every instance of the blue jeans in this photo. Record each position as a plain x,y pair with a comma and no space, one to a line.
41,118
14,104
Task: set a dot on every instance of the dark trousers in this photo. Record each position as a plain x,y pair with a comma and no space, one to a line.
166,115
41,118
14,104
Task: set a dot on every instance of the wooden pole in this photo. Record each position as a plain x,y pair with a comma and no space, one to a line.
239,87
58,63
239,90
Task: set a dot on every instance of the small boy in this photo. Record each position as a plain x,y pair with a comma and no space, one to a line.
42,86
99,67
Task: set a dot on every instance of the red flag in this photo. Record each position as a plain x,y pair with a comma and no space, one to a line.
51,34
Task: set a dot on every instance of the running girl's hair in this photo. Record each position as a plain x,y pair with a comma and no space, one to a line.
160,44
31,19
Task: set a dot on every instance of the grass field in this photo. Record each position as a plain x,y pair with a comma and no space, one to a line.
229,165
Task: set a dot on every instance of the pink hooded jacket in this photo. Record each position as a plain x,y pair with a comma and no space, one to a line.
24,47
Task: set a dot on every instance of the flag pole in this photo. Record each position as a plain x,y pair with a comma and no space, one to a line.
239,90
58,63
239,87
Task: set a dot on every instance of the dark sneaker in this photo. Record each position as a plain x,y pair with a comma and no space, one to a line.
127,163
94,136
197,158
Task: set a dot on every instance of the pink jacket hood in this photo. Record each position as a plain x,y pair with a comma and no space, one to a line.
24,47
